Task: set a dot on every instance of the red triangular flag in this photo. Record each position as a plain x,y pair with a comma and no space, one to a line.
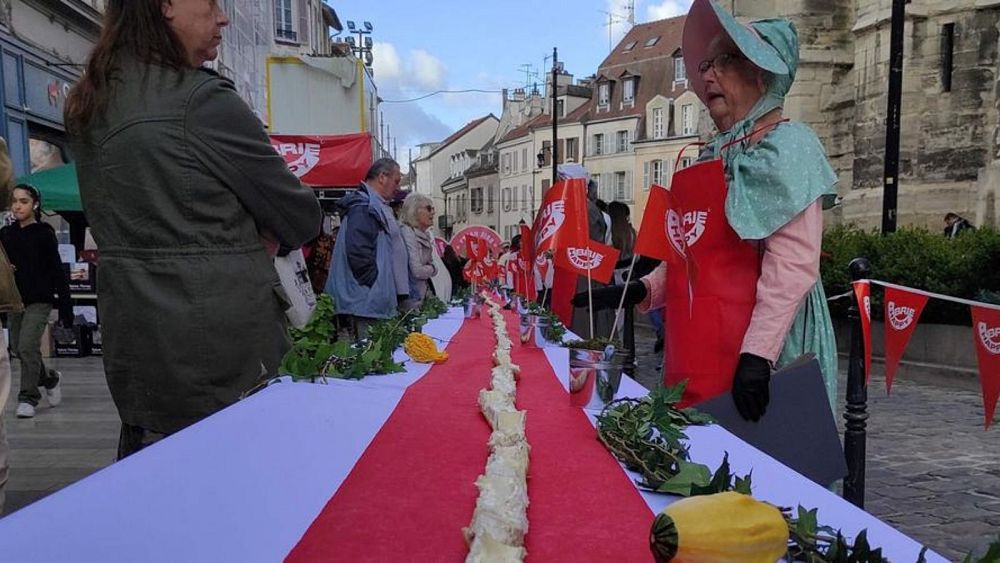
862,291
902,311
986,326
596,258
562,217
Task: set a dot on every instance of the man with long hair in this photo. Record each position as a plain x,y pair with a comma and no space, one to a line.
180,185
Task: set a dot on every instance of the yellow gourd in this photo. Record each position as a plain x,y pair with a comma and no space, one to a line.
422,349
721,528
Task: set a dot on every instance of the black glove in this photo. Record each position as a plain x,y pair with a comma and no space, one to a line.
751,386
609,297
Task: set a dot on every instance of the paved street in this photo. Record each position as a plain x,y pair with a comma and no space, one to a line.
932,470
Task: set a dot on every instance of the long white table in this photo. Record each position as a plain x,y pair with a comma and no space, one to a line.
245,484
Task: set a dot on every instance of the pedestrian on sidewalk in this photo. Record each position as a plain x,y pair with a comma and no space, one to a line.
34,254
181,187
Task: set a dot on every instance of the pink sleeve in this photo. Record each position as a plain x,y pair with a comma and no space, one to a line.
789,269
656,285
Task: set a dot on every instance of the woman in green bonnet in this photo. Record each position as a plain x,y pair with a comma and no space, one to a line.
757,299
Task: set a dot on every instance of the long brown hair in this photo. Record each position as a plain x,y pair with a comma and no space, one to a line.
137,28
622,233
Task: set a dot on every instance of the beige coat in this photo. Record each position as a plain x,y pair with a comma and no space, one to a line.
420,248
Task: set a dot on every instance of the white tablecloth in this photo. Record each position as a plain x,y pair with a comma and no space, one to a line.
244,484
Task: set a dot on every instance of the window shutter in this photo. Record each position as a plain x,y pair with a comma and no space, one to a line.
645,174
303,30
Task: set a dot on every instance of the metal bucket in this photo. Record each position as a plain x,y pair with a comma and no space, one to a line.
473,307
533,331
593,379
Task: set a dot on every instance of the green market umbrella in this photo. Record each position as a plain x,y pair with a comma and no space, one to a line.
59,186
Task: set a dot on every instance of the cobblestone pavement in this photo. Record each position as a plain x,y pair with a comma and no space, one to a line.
932,471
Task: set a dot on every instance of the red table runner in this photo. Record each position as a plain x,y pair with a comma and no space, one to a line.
412,491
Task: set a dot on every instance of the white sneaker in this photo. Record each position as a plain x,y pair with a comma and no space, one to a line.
25,410
54,395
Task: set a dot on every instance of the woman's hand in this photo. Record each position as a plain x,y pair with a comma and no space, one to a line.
751,386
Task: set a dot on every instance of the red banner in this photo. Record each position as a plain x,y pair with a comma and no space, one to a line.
596,258
487,234
326,160
562,217
563,290
902,311
661,234
986,326
862,290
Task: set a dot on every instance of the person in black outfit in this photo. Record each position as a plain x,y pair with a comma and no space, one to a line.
34,253
956,225
454,263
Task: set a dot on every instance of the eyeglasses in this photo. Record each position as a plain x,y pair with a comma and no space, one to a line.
719,62
429,208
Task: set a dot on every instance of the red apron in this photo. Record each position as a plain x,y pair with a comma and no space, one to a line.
702,343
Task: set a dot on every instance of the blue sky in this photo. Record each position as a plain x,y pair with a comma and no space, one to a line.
421,47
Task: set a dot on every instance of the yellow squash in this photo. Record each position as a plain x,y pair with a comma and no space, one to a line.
422,349
721,528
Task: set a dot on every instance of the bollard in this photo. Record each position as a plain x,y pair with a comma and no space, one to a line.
856,413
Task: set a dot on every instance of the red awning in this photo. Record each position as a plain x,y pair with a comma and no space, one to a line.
326,160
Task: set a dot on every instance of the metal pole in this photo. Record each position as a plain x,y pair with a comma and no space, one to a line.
629,341
890,184
857,397
555,119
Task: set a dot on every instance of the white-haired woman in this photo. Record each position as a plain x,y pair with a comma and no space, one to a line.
417,216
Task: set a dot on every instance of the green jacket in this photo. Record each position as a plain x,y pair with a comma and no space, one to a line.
179,181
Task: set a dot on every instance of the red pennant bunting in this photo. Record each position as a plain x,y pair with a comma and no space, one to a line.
862,290
562,217
596,258
986,326
902,311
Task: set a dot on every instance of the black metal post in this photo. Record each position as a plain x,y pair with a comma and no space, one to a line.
890,180
856,414
555,117
628,335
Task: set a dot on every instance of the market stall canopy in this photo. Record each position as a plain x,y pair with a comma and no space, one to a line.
59,187
326,160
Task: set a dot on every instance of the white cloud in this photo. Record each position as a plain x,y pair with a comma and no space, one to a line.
386,62
619,13
667,9
427,70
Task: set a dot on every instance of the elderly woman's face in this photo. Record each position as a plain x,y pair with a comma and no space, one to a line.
198,24
732,83
425,216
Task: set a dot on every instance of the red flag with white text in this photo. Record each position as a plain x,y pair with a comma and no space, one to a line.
902,311
661,234
986,326
596,258
862,291
475,248
562,217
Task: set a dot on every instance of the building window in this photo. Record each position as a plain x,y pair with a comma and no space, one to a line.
531,198
680,72
524,159
657,172
622,144
284,20
477,201
506,164
604,94
658,128
513,166
491,199
622,191
628,91
629,47
652,41
561,108
597,145
685,162
524,198
514,192
947,55
572,150
687,119
506,199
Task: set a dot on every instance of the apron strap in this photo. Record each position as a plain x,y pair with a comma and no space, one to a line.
677,163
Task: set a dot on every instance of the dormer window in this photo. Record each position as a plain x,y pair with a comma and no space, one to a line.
629,47
628,90
604,94
680,71
652,41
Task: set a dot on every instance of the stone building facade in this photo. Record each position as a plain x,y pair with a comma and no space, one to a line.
950,140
